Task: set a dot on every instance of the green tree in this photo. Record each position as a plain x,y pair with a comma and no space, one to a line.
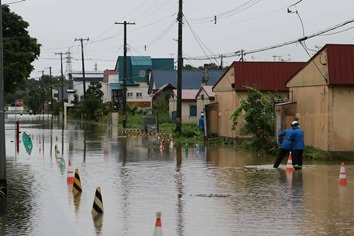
92,107
20,50
160,109
189,67
258,112
211,66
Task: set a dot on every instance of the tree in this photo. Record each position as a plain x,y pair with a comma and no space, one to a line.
20,50
258,112
189,67
92,107
211,66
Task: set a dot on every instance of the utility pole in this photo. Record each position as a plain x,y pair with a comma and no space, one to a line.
62,81
3,181
179,69
62,99
83,62
51,88
125,73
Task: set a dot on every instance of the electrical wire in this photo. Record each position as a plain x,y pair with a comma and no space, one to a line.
199,41
226,14
142,17
160,36
238,53
313,61
338,32
130,13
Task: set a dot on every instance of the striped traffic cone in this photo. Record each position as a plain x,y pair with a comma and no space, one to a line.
342,175
158,225
77,183
289,165
97,207
70,177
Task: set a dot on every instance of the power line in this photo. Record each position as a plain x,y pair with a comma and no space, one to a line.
238,53
199,41
226,14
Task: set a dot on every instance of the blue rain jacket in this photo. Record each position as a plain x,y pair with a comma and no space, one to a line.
201,123
297,138
283,138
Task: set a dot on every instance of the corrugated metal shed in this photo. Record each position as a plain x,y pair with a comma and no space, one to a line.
265,76
340,59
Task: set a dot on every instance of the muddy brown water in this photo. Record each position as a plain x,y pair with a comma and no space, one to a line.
207,190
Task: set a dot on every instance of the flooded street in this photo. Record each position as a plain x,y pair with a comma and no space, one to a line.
206,190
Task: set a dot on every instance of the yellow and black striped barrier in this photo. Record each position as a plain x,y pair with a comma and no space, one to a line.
97,203
140,133
77,188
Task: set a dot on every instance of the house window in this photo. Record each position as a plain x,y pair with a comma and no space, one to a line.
202,96
193,111
142,73
129,94
139,95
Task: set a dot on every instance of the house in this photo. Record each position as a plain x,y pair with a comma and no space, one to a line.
91,78
204,97
322,93
58,94
231,89
165,93
198,81
188,105
138,78
110,84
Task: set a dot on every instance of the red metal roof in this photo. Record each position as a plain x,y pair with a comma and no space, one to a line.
340,59
265,76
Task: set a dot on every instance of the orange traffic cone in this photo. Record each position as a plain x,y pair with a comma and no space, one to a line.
289,165
70,177
342,175
158,230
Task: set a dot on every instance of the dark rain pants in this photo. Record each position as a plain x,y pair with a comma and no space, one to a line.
297,159
282,153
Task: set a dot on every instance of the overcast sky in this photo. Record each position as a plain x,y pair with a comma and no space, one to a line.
240,24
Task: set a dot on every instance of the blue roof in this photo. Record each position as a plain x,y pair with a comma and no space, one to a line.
141,61
191,79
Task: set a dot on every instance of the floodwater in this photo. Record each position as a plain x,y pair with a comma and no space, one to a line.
204,190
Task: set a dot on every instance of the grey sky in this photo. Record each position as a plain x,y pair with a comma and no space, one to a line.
246,24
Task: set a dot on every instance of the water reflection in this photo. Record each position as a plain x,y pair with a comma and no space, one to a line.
180,191
200,190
